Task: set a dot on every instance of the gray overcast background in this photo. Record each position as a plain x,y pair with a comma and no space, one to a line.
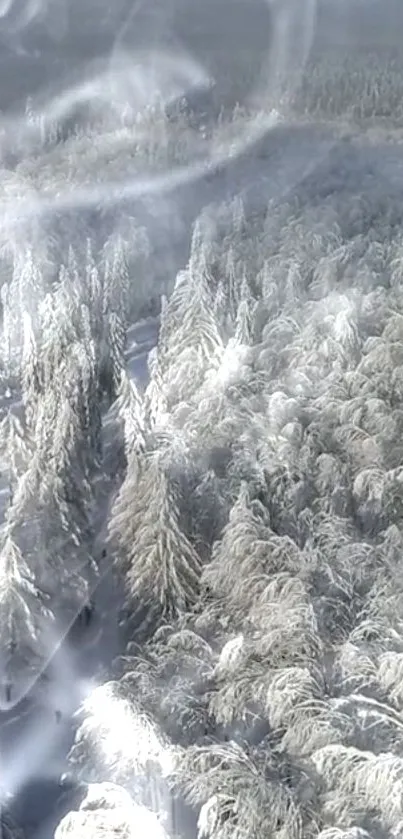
44,44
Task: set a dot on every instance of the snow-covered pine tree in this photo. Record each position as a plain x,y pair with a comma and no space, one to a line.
115,306
24,623
23,295
130,408
196,344
31,384
240,791
162,569
15,448
155,400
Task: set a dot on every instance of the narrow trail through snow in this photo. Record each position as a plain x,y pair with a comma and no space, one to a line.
33,743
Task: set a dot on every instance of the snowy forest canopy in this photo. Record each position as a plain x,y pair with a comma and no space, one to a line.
243,494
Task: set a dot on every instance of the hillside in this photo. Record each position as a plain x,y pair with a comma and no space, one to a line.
201,407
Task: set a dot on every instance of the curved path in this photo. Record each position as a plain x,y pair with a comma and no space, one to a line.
33,742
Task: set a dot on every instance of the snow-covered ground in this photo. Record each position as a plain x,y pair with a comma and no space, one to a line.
33,742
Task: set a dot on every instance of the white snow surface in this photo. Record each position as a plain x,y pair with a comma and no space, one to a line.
32,742
109,811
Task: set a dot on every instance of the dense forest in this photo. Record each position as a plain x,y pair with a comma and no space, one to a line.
242,498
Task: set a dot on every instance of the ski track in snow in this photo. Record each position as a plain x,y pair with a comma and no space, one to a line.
33,745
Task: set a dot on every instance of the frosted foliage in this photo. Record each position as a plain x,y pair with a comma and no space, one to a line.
390,674
201,416
231,655
24,617
15,445
117,738
109,812
340,833
104,796
163,566
235,794
156,402
376,779
191,339
115,823
131,409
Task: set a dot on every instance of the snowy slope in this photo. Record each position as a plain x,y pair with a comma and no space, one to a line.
33,744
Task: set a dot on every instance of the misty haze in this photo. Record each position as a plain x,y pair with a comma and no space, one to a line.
201,419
